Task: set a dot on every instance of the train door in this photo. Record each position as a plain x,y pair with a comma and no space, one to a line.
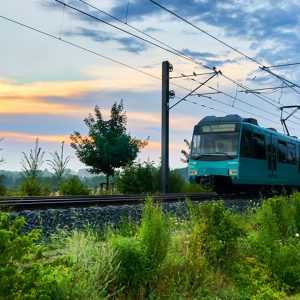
272,156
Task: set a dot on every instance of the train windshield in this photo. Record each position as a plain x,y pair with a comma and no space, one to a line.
217,140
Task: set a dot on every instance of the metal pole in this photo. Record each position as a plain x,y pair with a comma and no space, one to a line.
165,127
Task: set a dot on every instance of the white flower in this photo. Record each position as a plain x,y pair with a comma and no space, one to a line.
297,235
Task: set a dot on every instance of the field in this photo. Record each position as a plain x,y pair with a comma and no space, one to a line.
213,253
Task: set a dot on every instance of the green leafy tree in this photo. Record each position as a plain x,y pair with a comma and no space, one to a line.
108,146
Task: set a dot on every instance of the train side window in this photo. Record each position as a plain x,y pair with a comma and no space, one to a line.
259,146
282,151
291,153
253,145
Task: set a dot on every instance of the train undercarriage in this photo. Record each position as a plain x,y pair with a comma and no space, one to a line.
223,185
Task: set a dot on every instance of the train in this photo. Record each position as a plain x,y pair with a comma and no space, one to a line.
234,154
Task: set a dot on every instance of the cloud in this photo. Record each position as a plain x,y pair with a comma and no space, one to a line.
208,58
29,137
128,44
257,21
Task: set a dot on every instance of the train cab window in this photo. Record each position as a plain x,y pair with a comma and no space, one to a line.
253,145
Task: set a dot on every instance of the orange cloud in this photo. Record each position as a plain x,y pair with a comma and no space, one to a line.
48,138
28,137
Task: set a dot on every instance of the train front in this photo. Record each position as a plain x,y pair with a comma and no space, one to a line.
214,157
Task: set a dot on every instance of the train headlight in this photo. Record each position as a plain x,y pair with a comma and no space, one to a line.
193,172
233,172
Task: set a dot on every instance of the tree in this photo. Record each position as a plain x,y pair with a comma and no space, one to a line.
32,162
108,146
59,162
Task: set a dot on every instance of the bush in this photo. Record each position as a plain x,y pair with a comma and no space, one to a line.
23,273
276,241
32,186
138,179
154,234
217,230
73,186
91,264
144,178
132,265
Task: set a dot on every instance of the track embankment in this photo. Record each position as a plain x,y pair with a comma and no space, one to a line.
59,202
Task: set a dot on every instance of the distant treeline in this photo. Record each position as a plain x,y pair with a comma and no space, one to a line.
13,179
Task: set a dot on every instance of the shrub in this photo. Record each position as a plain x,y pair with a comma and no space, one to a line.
275,242
73,186
132,265
91,263
176,182
193,188
138,179
23,273
216,230
32,186
154,234
144,178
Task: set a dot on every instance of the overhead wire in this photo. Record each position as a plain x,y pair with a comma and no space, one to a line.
205,32
264,68
85,49
176,53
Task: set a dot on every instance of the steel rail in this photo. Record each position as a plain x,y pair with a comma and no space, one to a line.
36,203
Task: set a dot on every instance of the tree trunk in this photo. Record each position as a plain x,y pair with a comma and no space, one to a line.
107,182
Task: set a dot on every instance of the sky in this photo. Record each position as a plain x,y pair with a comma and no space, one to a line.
48,87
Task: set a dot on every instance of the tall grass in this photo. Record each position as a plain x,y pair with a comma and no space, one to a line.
213,253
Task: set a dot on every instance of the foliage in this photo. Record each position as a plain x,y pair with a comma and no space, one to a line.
216,230
138,178
132,264
108,146
214,253
144,178
154,234
59,162
33,161
23,273
32,186
277,240
91,265
73,186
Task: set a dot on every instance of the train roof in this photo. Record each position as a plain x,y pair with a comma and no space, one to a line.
239,119
227,119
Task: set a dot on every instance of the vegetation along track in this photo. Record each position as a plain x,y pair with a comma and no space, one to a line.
35,203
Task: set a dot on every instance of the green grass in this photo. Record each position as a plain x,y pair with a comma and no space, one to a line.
213,253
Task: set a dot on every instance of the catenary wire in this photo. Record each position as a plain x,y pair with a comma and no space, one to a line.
177,53
95,53
264,68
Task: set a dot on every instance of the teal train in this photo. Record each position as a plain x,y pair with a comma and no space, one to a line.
234,154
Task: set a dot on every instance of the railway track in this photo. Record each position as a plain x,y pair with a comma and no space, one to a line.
35,203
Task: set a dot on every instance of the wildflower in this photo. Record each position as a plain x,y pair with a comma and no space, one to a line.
297,235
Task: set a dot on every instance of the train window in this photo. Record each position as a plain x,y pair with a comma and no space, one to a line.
253,145
282,151
291,154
